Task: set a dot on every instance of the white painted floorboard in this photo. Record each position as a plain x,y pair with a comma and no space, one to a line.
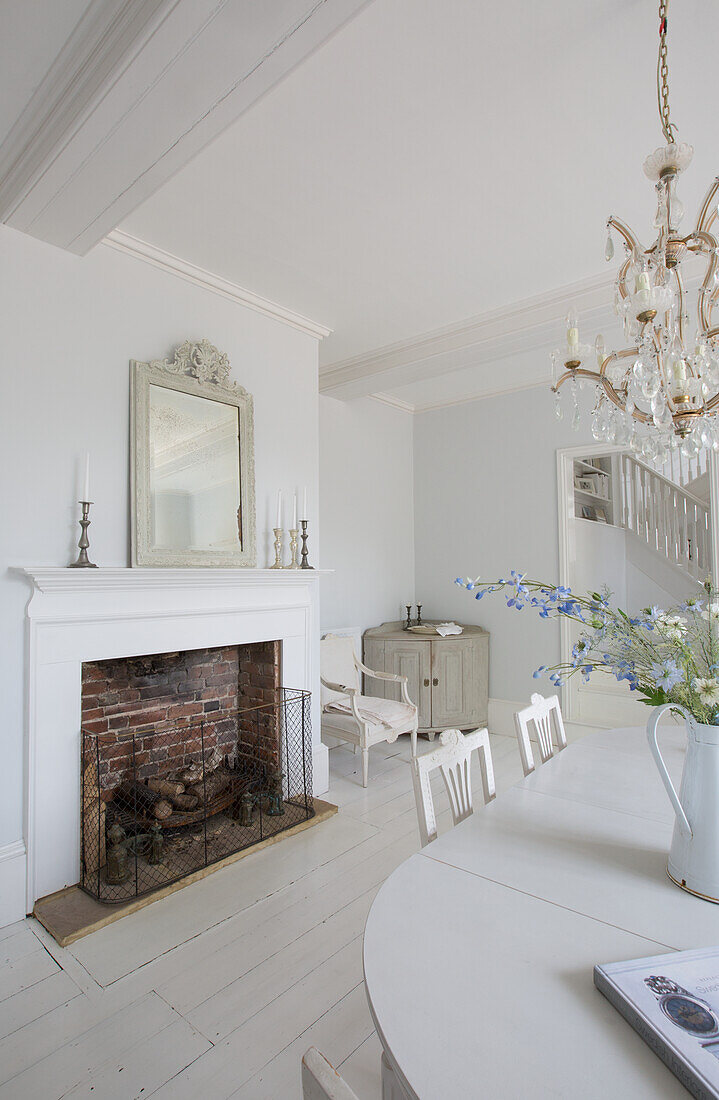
218,990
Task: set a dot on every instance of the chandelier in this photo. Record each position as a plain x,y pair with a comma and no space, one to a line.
662,391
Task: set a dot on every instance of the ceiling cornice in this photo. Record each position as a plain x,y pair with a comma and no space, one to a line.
139,88
183,269
525,325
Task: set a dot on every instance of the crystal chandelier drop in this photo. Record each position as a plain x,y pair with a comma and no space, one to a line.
662,391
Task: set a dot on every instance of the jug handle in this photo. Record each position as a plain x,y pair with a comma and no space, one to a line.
682,819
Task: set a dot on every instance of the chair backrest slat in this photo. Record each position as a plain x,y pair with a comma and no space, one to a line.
452,759
321,1081
543,717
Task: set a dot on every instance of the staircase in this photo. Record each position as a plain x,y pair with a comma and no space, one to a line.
666,515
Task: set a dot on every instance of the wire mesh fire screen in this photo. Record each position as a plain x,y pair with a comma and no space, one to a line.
159,805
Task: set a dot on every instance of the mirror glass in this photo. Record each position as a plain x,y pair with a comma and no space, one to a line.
194,467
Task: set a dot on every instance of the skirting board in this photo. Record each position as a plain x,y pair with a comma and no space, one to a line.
13,869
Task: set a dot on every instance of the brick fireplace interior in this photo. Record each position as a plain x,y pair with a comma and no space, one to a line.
189,756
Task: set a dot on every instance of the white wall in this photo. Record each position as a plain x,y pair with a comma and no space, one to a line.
366,493
486,503
69,328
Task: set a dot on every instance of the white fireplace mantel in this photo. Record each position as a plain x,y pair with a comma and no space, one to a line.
77,615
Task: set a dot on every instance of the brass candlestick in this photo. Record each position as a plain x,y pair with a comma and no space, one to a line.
305,564
278,532
294,564
83,562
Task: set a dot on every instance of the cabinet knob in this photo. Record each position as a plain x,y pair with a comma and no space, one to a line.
435,682
426,682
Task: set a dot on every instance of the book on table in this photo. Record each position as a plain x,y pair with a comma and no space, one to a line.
672,1001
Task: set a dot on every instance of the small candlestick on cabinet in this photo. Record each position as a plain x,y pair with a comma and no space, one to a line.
408,624
419,614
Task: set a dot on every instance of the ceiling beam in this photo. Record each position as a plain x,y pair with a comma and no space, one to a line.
525,325
139,88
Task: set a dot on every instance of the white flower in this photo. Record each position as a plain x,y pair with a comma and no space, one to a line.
673,627
707,690
711,613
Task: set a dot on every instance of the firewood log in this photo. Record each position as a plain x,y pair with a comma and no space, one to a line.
93,821
138,798
168,788
214,784
185,802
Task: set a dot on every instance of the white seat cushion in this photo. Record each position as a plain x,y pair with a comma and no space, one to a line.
385,718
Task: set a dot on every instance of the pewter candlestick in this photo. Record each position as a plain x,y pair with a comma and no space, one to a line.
408,624
278,548
305,564
83,562
419,614
294,564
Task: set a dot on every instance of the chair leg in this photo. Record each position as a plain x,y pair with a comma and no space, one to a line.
355,749
413,741
365,767
391,1088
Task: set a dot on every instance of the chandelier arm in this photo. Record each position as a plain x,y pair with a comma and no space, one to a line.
702,241
707,211
680,294
625,232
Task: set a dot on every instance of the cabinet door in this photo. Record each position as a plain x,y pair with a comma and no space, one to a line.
374,659
411,659
459,682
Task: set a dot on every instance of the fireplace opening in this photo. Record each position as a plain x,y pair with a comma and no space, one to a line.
187,758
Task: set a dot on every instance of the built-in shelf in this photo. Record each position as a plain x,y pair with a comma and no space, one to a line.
593,501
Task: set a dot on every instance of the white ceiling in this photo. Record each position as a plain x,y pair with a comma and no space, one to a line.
421,183
433,161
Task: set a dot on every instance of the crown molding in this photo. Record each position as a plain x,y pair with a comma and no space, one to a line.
394,402
483,395
207,280
523,326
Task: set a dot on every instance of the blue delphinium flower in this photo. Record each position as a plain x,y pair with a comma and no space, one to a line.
667,674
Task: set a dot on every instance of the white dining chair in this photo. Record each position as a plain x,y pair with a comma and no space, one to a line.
452,758
362,720
321,1081
543,717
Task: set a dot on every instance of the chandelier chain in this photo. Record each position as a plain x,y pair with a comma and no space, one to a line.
668,128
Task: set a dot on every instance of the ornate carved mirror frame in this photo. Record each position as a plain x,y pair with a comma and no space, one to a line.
200,370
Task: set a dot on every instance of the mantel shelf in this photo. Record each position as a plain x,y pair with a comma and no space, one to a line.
52,578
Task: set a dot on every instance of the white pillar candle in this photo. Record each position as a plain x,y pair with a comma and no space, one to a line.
304,503
279,508
86,483
294,511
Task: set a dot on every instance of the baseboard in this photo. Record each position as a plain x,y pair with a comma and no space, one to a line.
13,868
320,769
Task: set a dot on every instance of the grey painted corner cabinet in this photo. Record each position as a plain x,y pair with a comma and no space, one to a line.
448,678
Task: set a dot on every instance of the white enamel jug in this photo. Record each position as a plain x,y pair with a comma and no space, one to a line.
694,855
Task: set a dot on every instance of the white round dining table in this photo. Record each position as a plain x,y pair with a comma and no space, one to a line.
479,950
